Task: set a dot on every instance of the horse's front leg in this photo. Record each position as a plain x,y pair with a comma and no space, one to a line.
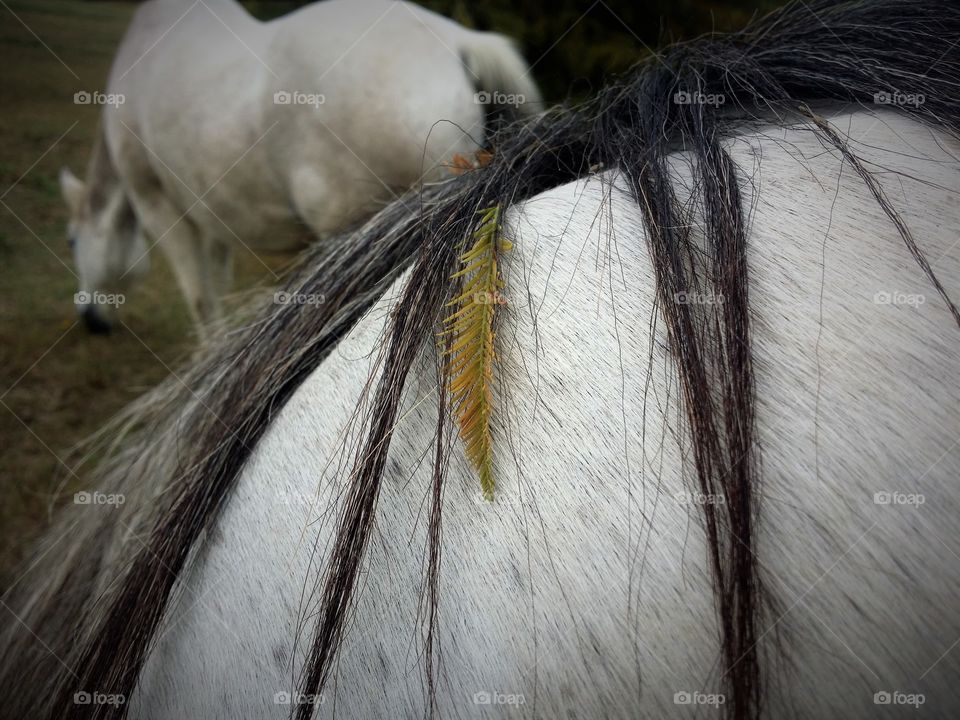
192,263
184,246
221,266
190,260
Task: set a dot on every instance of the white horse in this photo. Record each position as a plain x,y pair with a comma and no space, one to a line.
589,587
221,131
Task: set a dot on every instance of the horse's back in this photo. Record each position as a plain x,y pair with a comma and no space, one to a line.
387,116
252,129
583,589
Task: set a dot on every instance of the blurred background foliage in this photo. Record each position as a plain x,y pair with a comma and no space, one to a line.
573,45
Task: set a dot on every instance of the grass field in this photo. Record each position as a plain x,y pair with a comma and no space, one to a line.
58,383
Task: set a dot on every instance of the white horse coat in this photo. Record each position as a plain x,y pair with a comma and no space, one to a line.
233,132
582,591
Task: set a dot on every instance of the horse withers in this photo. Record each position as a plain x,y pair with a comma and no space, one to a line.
220,131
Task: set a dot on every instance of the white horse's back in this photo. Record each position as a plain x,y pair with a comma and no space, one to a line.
583,589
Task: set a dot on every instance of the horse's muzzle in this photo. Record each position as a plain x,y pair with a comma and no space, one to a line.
94,321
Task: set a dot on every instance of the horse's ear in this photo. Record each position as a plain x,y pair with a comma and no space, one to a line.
72,189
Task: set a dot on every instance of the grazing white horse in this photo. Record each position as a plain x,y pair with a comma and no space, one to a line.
222,131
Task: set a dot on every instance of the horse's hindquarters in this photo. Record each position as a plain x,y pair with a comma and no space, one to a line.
582,589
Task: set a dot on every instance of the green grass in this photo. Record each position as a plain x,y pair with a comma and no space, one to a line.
57,383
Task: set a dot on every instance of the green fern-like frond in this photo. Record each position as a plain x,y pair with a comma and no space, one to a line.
471,356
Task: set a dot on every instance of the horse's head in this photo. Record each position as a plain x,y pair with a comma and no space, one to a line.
109,250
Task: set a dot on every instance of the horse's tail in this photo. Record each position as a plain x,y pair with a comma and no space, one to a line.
502,77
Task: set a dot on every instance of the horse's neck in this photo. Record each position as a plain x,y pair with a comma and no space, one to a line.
102,177
106,193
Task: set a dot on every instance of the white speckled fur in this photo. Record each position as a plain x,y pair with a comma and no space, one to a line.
583,587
